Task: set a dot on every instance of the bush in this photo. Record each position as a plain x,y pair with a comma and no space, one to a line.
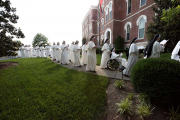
159,79
119,43
125,106
119,83
166,55
98,51
121,50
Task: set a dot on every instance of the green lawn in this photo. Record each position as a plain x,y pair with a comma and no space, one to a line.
39,89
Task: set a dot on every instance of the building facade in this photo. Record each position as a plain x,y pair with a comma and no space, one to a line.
127,18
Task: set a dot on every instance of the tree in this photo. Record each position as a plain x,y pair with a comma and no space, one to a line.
102,42
39,39
119,43
8,17
158,26
83,41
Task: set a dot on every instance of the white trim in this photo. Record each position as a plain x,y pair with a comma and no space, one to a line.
125,26
102,37
108,30
142,5
127,7
142,16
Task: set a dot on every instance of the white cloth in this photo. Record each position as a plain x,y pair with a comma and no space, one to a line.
54,51
132,59
157,48
175,55
58,53
84,55
64,54
76,51
42,51
71,53
22,51
48,52
91,57
37,51
28,52
119,58
105,55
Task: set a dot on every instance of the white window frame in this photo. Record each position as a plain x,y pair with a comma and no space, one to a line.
127,6
125,28
142,5
110,10
102,23
138,22
102,37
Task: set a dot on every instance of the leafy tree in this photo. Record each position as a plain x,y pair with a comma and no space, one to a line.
119,43
39,39
8,18
158,26
83,41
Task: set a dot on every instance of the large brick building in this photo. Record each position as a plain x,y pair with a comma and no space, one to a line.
127,18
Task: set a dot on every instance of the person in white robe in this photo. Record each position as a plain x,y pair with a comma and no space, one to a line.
58,52
84,54
176,52
117,57
37,51
91,55
154,48
28,51
64,54
42,51
48,52
53,47
71,56
132,59
76,51
105,55
22,51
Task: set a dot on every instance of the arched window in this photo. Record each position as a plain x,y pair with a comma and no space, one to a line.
102,37
128,33
141,28
110,10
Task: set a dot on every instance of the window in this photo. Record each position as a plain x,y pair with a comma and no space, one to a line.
102,23
102,37
128,33
141,28
98,27
129,7
106,10
142,2
110,10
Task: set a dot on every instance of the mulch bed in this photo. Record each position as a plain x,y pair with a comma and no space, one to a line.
115,95
4,65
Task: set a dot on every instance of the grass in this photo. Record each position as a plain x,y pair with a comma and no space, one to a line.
39,89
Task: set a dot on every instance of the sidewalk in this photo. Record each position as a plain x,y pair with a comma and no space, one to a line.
104,72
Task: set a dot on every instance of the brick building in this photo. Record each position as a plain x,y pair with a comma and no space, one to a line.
127,18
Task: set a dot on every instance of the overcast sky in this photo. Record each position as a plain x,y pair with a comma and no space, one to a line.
58,20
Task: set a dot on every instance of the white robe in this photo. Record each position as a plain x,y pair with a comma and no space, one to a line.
175,55
48,53
22,51
91,57
37,51
34,52
64,54
156,50
105,55
19,53
58,53
42,51
84,55
119,58
54,51
28,52
132,59
71,53
76,55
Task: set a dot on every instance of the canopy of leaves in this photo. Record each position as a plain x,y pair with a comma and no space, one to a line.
119,43
8,17
39,39
159,26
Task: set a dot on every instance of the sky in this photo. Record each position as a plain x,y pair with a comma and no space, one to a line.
58,20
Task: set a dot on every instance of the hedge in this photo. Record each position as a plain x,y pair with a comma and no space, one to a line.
166,55
159,79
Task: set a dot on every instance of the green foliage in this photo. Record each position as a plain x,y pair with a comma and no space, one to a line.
175,115
98,57
144,109
160,24
102,42
125,106
130,96
8,18
39,89
143,97
98,51
121,50
119,43
39,39
166,55
119,83
83,41
159,79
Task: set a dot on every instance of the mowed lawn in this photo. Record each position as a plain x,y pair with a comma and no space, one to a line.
39,89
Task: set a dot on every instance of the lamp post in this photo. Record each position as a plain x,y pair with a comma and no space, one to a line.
121,68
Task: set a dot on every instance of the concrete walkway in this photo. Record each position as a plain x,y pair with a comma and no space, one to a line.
104,72
6,58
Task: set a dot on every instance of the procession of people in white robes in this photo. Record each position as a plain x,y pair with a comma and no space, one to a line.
84,54
176,52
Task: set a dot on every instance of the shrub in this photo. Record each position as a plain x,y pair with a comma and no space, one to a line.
130,96
166,55
143,97
119,83
124,107
119,43
98,51
174,114
144,109
159,79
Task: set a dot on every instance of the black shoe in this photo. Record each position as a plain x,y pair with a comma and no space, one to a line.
58,61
